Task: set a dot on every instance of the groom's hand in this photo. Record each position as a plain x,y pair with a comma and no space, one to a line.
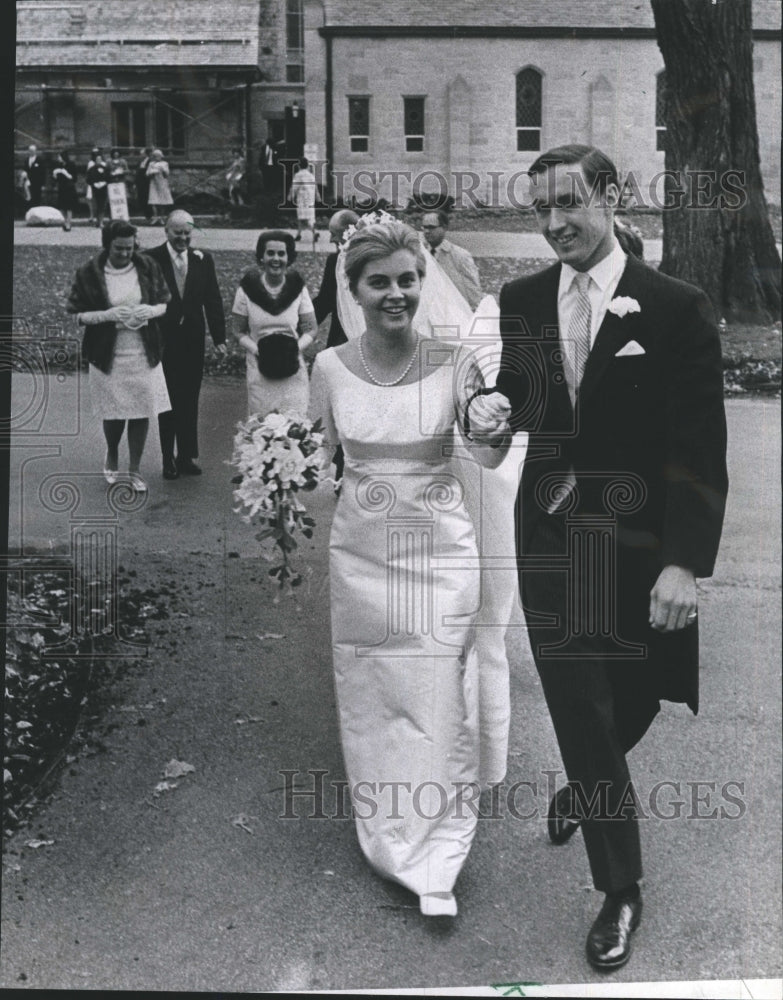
673,600
489,417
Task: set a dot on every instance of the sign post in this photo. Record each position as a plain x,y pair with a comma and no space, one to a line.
118,200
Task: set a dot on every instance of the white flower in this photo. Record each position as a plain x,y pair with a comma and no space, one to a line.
277,423
371,219
291,466
199,254
622,305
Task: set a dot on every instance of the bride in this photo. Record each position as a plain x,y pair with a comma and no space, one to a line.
404,573
490,494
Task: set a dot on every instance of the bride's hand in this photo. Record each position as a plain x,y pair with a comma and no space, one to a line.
489,419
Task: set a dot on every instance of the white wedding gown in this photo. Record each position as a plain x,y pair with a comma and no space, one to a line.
404,584
489,497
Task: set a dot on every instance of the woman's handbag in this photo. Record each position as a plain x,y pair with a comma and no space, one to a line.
278,355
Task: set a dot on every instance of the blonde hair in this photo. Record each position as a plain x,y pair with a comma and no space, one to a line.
379,240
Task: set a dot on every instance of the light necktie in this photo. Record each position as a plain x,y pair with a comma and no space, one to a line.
579,330
179,272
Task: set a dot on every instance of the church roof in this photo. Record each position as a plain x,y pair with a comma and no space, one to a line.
92,33
498,14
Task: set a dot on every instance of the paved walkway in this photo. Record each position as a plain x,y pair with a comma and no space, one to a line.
209,887
479,243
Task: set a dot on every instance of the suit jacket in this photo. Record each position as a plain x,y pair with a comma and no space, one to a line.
36,171
200,306
461,268
652,420
325,303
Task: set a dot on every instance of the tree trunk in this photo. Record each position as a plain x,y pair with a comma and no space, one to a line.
718,235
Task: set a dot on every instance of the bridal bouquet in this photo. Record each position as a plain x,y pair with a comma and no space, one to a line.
278,457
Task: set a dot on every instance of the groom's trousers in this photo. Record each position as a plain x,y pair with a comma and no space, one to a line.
601,704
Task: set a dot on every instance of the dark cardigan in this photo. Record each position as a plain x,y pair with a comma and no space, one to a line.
89,292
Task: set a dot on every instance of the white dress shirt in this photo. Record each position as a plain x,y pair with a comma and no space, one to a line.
176,256
605,277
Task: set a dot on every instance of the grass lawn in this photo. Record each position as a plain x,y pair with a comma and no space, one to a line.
43,276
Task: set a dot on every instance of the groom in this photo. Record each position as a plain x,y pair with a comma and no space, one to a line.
615,370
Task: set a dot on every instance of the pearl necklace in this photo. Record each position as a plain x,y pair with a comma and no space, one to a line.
399,378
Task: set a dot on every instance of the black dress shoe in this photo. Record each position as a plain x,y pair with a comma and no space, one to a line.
188,467
561,823
170,469
609,940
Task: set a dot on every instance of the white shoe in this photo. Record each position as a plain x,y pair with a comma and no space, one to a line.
137,483
110,475
438,904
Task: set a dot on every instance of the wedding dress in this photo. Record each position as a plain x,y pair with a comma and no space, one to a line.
489,496
404,585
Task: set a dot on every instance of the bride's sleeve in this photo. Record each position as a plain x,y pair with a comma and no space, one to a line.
321,408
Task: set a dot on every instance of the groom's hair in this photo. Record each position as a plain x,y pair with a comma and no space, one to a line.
598,169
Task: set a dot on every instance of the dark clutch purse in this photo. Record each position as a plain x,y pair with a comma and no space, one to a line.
278,355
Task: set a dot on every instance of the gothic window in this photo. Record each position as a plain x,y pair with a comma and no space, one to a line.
359,124
414,124
528,110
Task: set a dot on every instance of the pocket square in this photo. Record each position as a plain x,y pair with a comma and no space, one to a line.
630,349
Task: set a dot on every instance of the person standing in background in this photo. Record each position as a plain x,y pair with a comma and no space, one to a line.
143,184
98,179
36,172
195,304
159,196
64,174
457,263
303,194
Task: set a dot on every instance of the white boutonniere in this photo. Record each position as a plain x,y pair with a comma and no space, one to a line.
623,305
200,255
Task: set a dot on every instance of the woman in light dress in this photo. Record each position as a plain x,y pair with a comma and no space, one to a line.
118,296
159,193
274,321
303,194
404,574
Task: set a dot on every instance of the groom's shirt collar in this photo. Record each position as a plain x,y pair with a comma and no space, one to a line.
605,277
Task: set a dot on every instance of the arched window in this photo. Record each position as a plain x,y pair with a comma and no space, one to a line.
660,110
528,110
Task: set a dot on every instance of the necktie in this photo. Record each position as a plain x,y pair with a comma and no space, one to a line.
576,359
579,335
179,272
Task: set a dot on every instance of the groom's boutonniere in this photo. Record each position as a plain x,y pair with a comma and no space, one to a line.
200,255
623,305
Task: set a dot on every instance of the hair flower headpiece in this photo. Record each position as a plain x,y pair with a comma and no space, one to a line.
371,219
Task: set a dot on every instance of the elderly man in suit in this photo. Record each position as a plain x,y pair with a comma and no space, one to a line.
615,371
195,305
455,261
325,302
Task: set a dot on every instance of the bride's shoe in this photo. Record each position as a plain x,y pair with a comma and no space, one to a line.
438,904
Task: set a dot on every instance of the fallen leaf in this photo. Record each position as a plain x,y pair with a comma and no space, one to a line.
242,719
242,822
270,635
177,768
164,786
38,843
